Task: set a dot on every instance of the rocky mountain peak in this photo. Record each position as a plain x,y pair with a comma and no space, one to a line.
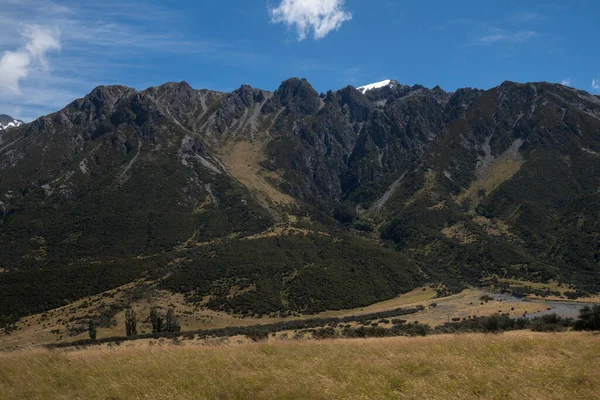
355,102
179,89
297,95
101,100
248,95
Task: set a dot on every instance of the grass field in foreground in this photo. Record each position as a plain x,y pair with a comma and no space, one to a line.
515,365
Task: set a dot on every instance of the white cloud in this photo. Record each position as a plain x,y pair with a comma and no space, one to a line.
19,64
317,16
566,82
14,66
596,84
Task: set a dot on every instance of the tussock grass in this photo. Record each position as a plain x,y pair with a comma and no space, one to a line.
243,162
36,329
514,365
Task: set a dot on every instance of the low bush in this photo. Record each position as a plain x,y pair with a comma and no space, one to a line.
589,319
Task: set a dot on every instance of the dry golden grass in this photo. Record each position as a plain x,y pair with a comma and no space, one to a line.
284,229
500,171
426,190
495,227
460,233
35,329
38,329
243,163
468,303
517,365
552,286
595,299
51,326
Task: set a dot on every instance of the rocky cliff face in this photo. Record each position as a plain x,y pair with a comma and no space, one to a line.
468,184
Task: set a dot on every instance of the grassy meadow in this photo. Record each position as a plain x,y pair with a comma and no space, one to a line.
50,327
514,365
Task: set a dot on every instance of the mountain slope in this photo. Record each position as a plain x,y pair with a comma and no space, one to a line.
342,198
74,187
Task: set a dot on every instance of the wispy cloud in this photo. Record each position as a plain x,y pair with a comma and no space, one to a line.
596,84
317,16
566,82
502,36
350,75
100,42
527,16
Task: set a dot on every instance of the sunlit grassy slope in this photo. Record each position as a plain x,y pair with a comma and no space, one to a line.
50,328
517,365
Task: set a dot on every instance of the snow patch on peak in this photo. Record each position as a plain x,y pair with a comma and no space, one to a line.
375,85
12,124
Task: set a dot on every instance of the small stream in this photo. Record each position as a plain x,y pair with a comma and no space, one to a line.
567,309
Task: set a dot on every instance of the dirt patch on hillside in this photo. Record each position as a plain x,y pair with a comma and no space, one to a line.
242,160
492,174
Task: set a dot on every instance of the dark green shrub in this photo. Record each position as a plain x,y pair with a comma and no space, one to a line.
325,333
589,319
257,335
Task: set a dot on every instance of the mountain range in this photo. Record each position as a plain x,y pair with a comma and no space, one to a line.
258,202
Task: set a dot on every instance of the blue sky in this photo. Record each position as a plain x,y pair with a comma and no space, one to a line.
52,52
